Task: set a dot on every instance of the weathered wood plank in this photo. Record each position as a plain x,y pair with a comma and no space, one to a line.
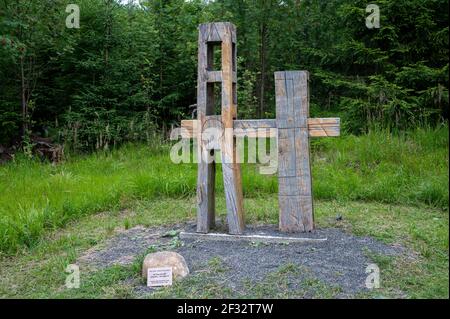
230,166
286,155
324,121
213,35
205,106
214,76
290,220
324,127
293,185
302,149
246,124
294,173
317,127
307,212
330,126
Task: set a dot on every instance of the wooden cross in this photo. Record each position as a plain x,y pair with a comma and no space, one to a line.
293,129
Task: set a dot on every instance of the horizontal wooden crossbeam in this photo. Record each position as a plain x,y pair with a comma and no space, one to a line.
317,127
216,76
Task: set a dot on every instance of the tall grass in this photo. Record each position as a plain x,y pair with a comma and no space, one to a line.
411,168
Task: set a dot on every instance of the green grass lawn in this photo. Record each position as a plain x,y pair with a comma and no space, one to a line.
394,188
39,272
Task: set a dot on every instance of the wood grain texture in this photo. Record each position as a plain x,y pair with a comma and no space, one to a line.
294,172
286,152
317,127
230,166
292,127
205,107
213,34
214,76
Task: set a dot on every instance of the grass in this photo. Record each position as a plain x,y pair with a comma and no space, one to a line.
394,188
39,272
407,169
34,197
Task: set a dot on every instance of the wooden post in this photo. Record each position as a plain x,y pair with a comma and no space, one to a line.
294,173
210,35
205,107
230,166
294,129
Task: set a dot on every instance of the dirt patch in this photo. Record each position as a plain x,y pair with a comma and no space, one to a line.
339,262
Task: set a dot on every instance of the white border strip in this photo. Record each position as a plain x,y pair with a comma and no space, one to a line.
267,238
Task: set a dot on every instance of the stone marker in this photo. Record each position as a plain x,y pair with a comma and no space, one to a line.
159,277
166,259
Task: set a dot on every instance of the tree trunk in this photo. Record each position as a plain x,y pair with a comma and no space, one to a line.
108,31
24,99
262,55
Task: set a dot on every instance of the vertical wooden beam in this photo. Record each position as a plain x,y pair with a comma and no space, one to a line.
294,170
230,166
205,107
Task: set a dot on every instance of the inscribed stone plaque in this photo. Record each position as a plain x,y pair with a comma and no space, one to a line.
157,277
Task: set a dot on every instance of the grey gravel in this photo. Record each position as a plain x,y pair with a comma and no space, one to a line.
340,261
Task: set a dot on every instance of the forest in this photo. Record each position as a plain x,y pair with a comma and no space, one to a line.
129,71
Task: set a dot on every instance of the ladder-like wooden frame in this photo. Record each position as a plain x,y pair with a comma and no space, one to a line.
211,35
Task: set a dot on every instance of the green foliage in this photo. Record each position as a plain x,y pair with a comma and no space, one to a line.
97,128
246,97
127,60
